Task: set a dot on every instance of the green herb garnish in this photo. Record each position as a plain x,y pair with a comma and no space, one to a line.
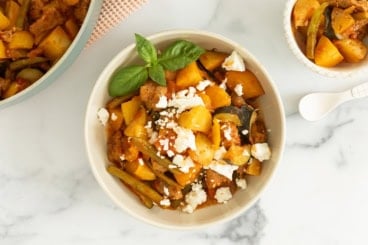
128,79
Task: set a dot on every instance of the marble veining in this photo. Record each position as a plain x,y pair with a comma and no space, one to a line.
318,195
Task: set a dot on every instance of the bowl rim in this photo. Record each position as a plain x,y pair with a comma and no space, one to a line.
66,60
331,72
107,72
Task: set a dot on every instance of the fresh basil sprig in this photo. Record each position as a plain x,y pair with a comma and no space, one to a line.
128,79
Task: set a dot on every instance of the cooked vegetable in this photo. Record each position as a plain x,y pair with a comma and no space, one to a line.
197,119
250,85
136,184
326,53
353,50
303,11
218,96
212,60
313,29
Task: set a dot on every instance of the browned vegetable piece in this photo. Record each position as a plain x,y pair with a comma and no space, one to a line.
12,11
4,21
197,119
251,86
16,86
21,40
136,184
190,75
140,169
254,167
214,179
353,50
303,11
130,108
114,147
204,150
2,50
341,20
136,127
212,59
238,155
56,43
187,178
326,53
218,96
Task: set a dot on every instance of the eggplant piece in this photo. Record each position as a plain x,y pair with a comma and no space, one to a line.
247,116
328,30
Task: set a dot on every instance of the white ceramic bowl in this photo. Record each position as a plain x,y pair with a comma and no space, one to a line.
95,139
65,61
342,70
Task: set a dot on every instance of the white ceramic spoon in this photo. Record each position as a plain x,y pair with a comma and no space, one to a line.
315,106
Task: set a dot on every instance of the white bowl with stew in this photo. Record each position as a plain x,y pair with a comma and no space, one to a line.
297,43
95,138
60,64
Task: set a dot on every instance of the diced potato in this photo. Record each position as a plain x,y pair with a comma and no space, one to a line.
251,86
219,97
212,59
206,100
12,11
136,126
21,40
216,133
341,20
238,155
2,50
71,28
130,108
254,167
140,169
56,43
204,150
197,119
4,21
184,179
353,50
303,11
326,53
15,87
190,75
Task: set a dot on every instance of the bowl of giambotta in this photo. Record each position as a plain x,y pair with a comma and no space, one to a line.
329,37
184,129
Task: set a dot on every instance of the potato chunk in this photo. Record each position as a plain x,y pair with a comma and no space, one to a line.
326,53
190,75
303,11
197,119
353,50
251,87
212,59
56,43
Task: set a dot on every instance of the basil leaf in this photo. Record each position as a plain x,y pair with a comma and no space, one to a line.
180,54
127,80
145,49
157,74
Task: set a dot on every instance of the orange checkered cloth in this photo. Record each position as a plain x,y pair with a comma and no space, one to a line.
112,13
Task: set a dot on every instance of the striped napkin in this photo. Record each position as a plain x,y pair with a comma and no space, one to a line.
112,13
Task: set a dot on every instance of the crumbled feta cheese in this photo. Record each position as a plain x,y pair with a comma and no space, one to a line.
223,194
162,102
244,132
223,168
219,153
238,90
234,62
261,151
103,115
166,191
194,198
241,183
202,85
185,139
170,153
165,202
122,157
165,144
227,132
185,99
184,163
114,117
223,84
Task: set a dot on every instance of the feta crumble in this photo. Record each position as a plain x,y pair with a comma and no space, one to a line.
103,115
162,102
165,202
185,139
241,183
244,132
194,198
223,168
114,117
261,151
238,90
202,85
234,62
184,163
223,194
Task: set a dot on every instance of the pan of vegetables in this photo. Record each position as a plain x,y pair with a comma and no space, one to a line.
38,40
184,129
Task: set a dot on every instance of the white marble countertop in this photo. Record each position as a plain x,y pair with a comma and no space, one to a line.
319,195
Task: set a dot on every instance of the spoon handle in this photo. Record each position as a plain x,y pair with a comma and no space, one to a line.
360,91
